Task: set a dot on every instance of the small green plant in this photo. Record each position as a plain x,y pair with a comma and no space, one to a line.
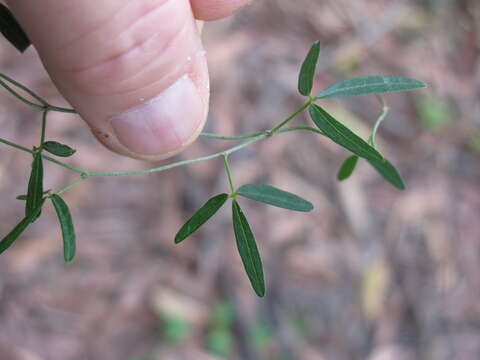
220,338
325,125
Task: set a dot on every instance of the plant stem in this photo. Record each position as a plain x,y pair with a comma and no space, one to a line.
229,174
19,97
44,127
300,128
253,138
240,137
179,163
381,117
294,115
24,88
88,174
46,157
68,187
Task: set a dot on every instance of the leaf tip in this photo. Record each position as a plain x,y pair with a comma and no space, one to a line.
178,239
69,259
260,292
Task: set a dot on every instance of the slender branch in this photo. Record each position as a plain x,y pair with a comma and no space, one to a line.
300,128
46,157
43,103
24,88
229,174
44,127
179,163
19,97
294,115
240,137
229,151
381,117
252,138
69,186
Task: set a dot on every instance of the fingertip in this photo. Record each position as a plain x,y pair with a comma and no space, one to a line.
209,10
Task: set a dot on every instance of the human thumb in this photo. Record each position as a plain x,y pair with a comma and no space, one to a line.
135,71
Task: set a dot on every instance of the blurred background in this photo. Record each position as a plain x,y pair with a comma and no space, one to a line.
373,273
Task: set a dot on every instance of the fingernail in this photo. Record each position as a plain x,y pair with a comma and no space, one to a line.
163,124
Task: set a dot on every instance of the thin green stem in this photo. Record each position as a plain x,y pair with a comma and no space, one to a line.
381,117
19,97
46,157
294,115
300,128
226,163
26,89
69,186
44,127
179,163
252,138
43,103
229,151
240,137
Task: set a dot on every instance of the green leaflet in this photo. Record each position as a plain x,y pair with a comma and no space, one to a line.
276,197
370,85
307,71
35,186
347,168
342,135
248,250
12,30
8,240
58,149
201,217
66,224
389,173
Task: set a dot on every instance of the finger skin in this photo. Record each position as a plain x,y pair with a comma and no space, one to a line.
114,57
216,9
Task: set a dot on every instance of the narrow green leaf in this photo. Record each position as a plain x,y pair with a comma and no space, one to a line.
247,247
35,186
347,168
66,224
370,85
342,135
201,217
389,173
58,149
307,71
8,240
12,30
276,197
